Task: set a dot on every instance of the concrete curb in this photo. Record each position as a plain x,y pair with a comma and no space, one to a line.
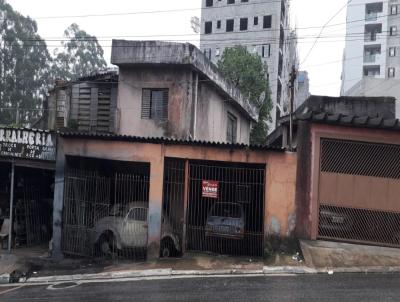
364,270
298,270
216,272
101,276
169,272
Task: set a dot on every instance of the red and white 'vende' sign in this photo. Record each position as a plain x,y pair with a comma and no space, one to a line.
210,188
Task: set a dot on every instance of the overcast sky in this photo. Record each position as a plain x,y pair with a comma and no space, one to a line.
324,64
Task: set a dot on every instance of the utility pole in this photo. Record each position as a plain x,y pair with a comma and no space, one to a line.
293,77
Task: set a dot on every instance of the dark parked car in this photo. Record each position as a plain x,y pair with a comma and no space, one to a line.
226,220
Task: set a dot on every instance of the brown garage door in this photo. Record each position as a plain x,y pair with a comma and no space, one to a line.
359,192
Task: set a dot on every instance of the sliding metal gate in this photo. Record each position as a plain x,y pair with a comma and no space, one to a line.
359,189
105,216
226,209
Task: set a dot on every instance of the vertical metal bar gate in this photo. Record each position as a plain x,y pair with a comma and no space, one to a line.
105,217
226,209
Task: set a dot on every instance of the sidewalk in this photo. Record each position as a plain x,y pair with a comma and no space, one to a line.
320,258
43,269
321,254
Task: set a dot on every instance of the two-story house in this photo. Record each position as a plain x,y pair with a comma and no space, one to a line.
163,89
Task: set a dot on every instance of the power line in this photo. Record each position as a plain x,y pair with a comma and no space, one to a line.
108,38
322,29
226,42
385,51
191,9
155,11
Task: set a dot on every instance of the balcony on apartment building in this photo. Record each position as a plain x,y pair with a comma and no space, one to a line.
373,71
372,54
372,32
373,11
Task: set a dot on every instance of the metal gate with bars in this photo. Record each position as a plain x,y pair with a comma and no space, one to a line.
105,216
225,212
359,189
32,216
173,208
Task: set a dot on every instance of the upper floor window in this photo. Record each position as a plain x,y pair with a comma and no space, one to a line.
231,1
393,10
155,104
230,24
219,24
209,3
245,1
266,51
231,134
391,72
393,30
243,23
267,21
392,51
255,20
208,27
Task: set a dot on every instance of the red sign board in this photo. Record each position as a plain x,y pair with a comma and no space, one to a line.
210,188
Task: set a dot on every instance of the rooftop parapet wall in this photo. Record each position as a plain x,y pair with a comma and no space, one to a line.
383,107
169,53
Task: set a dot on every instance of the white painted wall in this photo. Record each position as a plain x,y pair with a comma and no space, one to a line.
354,49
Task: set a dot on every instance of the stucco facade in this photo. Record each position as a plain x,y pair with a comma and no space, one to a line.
211,110
199,98
349,191
280,180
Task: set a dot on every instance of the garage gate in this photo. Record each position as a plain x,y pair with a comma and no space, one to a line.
225,212
105,212
358,194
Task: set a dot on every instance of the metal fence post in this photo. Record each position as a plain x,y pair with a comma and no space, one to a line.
11,206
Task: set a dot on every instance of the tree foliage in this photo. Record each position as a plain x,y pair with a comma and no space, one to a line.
247,73
27,69
24,67
81,55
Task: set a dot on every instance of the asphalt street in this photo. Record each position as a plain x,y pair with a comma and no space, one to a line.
308,288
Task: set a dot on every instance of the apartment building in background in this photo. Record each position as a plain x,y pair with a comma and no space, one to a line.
371,62
263,27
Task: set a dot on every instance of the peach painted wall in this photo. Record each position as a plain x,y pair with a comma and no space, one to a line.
280,182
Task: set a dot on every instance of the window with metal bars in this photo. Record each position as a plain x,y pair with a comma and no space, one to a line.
231,135
155,104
